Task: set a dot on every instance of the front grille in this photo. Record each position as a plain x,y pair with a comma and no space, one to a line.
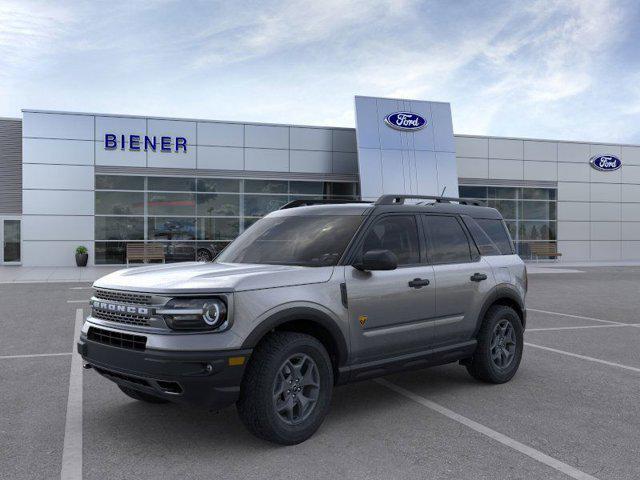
117,339
123,297
126,318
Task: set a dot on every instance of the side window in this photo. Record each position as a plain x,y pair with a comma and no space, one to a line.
448,242
485,244
397,233
497,232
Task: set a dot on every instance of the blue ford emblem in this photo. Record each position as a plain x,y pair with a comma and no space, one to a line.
405,121
605,163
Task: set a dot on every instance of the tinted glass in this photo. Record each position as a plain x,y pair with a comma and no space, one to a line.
11,243
119,203
213,228
307,188
168,228
119,182
473,192
119,228
172,184
311,241
107,253
496,231
218,185
227,205
259,205
398,234
265,186
339,189
172,204
486,246
448,242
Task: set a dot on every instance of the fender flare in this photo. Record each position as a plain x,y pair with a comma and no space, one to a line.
499,292
300,313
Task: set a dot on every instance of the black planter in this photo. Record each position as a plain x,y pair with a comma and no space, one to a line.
81,259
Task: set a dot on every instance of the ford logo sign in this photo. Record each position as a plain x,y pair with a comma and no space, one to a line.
605,163
405,121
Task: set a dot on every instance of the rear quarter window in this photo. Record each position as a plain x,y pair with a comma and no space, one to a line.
491,235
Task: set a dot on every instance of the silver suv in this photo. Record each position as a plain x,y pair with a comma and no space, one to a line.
310,297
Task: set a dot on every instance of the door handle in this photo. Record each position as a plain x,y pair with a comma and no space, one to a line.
419,282
478,277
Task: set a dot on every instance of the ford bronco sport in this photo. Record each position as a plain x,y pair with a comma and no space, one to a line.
313,296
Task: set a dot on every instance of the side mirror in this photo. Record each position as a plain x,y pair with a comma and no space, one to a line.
378,260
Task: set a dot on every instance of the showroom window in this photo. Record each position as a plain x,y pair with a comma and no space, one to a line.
193,218
530,213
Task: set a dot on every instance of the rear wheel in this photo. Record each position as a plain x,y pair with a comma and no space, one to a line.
500,344
286,390
142,396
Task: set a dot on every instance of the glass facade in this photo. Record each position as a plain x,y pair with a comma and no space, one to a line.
530,213
191,217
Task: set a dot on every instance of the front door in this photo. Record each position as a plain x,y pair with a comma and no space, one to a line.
391,312
10,240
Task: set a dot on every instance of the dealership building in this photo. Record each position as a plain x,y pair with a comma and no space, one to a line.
191,186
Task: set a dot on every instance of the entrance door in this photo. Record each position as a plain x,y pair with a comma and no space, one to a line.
10,238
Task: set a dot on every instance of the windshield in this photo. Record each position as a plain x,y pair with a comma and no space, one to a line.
310,241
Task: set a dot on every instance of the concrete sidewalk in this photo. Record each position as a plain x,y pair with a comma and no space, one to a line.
19,274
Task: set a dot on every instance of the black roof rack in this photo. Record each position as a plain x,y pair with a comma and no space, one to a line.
399,199
305,203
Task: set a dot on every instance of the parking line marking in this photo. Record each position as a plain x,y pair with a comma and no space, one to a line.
581,327
72,449
576,316
497,436
7,357
584,357
79,301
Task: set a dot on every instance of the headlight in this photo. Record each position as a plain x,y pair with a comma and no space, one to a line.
195,314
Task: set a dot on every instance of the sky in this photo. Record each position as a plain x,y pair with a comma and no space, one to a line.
540,69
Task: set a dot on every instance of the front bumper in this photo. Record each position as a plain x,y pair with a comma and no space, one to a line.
207,379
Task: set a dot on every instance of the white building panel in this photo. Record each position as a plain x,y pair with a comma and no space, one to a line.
607,176
311,139
605,212
52,253
630,193
573,192
544,151
220,134
574,172
597,149
220,158
266,160
506,149
344,141
605,231
630,155
370,184
606,251
573,250
506,169
120,126
57,202
630,212
426,165
631,231
574,211
62,152
56,227
573,231
172,159
630,250
447,174
310,161
57,125
118,157
546,171
602,192
473,167
442,127
57,177
393,171
172,128
630,174
472,147
574,152
266,136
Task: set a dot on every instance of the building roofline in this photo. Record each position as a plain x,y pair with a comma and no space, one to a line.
11,118
402,99
181,119
549,140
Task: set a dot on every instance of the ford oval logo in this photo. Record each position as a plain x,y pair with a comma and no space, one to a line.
605,163
405,121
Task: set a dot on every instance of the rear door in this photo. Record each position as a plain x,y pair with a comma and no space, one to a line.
391,312
462,278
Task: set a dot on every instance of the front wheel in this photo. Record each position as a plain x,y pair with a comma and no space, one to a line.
500,344
286,390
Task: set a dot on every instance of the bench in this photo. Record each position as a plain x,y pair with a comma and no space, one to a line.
144,252
547,249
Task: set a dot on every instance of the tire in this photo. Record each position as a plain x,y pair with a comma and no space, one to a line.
271,406
204,255
142,396
503,326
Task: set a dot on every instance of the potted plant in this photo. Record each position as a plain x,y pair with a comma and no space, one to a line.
82,255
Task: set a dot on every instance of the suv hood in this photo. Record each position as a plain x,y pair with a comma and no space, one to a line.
198,277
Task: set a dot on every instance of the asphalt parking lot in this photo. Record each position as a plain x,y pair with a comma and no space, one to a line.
571,411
